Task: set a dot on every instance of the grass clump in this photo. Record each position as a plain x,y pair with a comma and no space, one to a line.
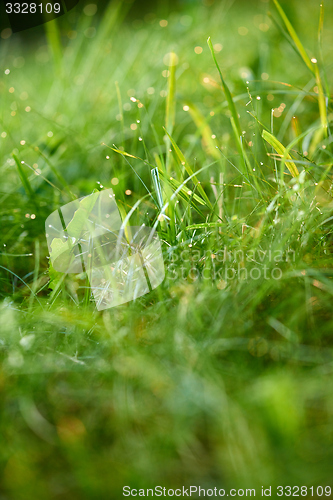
221,375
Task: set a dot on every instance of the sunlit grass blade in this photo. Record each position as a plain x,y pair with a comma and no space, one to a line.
170,110
294,36
295,125
125,154
321,101
281,150
204,130
206,225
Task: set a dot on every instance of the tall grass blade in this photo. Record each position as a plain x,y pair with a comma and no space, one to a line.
36,271
157,186
226,90
321,101
170,111
121,114
54,41
320,46
294,36
24,179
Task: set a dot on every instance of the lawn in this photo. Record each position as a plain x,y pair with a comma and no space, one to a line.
211,122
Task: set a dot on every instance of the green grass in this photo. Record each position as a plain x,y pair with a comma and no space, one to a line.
222,376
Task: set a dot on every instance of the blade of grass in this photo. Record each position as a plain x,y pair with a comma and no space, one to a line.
184,193
36,271
320,44
124,154
206,225
321,24
56,173
231,104
204,130
281,150
321,101
247,167
54,41
174,185
189,170
294,36
24,179
24,283
170,111
121,114
157,185
174,195
234,120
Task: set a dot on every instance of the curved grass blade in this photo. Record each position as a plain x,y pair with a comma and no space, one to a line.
281,150
204,130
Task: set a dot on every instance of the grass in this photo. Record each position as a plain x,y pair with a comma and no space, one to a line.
221,376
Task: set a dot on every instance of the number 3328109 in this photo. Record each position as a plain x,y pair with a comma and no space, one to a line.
32,8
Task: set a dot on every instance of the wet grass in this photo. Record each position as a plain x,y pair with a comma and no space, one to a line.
221,376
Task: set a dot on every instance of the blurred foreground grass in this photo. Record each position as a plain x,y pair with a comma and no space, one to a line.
219,377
